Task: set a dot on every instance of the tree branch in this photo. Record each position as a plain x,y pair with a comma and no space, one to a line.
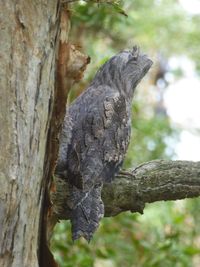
150,182
131,190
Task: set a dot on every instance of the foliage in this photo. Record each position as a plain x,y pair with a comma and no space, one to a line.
150,137
162,26
167,234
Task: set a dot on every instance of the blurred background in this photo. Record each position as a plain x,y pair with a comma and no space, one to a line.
165,125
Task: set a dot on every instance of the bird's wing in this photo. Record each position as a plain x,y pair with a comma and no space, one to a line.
100,137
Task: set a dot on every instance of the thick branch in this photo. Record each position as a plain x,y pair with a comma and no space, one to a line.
131,190
152,181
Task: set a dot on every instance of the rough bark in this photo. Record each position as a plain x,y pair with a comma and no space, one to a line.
28,31
70,66
38,68
131,190
150,182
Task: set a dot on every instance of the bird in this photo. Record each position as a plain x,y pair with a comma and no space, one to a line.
100,127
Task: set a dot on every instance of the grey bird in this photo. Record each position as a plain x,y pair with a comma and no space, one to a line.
100,123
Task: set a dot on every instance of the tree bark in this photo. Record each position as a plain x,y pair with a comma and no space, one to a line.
131,190
150,182
28,32
38,68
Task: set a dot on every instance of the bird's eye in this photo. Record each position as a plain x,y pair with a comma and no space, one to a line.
135,52
135,57
133,60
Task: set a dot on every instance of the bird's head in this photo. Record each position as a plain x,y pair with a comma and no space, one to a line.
133,67
124,71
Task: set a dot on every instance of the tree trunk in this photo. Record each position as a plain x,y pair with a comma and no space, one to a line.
28,32
38,68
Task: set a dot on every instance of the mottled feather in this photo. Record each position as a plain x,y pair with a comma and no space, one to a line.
101,125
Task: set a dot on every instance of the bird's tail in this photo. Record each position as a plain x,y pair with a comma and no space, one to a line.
87,213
